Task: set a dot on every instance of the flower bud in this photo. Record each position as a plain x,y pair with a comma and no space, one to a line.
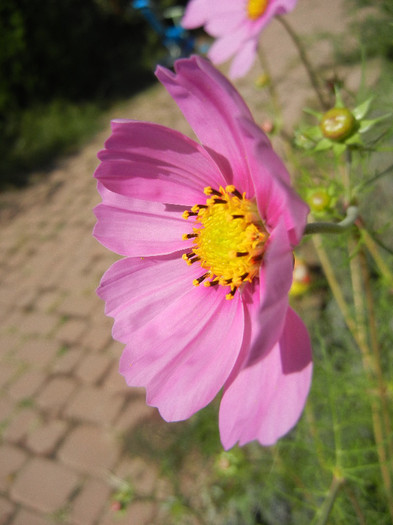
319,200
337,124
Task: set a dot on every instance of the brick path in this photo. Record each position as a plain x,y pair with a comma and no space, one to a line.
63,406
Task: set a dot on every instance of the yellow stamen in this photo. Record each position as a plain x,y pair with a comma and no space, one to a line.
256,8
228,239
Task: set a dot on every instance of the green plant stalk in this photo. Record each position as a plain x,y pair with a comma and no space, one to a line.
374,252
373,331
370,367
324,512
333,284
271,88
367,363
307,64
331,227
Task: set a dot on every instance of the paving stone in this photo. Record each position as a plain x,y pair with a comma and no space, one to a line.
92,367
55,394
94,404
115,382
48,300
44,485
26,385
37,352
24,422
70,332
39,323
26,517
6,510
90,501
11,459
90,449
98,337
114,349
8,341
44,439
66,361
8,371
6,408
76,305
132,414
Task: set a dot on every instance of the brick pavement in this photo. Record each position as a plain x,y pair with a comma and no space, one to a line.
63,406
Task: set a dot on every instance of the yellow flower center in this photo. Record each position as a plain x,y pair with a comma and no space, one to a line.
256,8
229,239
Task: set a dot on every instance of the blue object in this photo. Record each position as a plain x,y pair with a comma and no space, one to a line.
175,38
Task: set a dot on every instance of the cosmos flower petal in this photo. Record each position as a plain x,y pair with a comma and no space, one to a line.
244,59
275,282
184,355
185,342
266,399
137,228
195,14
166,165
222,49
275,196
212,106
228,19
199,12
223,23
137,290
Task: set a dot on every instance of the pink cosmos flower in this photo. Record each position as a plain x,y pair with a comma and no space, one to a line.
207,230
236,25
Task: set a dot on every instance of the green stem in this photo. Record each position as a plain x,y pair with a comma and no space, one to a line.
372,368
330,227
324,512
307,64
271,88
372,247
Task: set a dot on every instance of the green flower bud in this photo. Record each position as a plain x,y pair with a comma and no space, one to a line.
338,124
319,200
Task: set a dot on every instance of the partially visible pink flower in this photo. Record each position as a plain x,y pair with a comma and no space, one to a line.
236,25
207,230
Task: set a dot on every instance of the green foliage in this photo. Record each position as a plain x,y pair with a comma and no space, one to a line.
42,133
62,63
374,30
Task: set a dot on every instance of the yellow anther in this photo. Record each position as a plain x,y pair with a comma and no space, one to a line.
229,238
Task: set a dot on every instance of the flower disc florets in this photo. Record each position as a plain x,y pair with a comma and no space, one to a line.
256,8
229,239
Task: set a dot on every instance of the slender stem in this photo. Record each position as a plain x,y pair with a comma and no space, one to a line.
373,330
334,284
361,340
330,227
271,87
325,510
372,247
306,62
370,365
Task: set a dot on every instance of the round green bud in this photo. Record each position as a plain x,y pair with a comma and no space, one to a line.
337,124
319,200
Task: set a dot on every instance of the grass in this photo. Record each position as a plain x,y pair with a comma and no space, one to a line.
38,135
